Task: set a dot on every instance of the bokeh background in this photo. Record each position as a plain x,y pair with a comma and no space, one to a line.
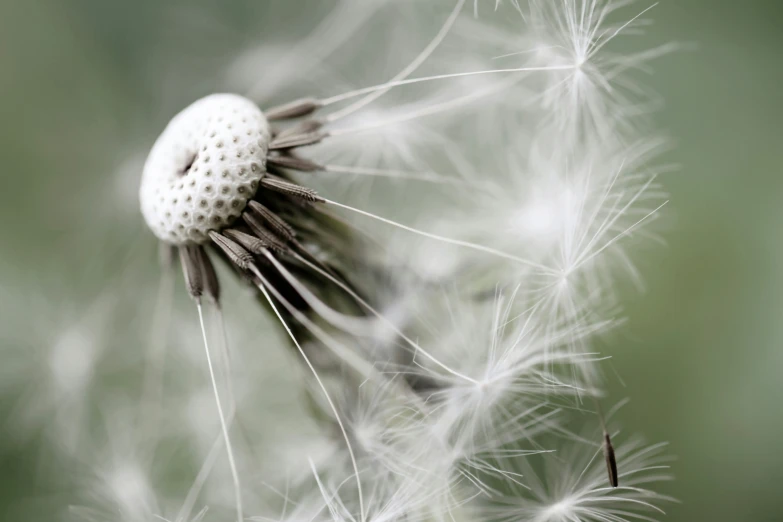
701,355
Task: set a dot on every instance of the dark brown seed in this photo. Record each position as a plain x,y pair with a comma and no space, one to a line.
264,234
296,140
251,243
280,227
290,189
294,109
306,127
611,462
194,281
211,283
238,255
292,162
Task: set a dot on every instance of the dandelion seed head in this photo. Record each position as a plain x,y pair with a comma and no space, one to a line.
596,94
204,168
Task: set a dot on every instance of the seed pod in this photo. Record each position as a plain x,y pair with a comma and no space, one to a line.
236,254
194,279
611,462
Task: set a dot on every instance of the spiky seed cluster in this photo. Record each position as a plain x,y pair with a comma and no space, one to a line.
204,168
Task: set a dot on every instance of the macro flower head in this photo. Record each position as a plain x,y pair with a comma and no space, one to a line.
397,273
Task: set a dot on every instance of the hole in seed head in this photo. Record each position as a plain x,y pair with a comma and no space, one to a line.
188,164
224,189
219,203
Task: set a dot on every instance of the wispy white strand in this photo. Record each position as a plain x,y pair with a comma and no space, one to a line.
442,239
308,296
225,355
430,177
328,398
361,92
407,71
223,423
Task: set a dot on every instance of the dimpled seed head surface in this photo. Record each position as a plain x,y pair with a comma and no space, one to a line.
204,168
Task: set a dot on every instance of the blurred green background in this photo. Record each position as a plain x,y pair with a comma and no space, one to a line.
701,356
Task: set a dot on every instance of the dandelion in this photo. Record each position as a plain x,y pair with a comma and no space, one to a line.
441,359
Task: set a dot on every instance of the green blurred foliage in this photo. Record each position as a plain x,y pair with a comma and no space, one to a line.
700,356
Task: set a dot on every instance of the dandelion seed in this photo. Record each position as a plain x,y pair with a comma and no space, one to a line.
608,449
573,487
